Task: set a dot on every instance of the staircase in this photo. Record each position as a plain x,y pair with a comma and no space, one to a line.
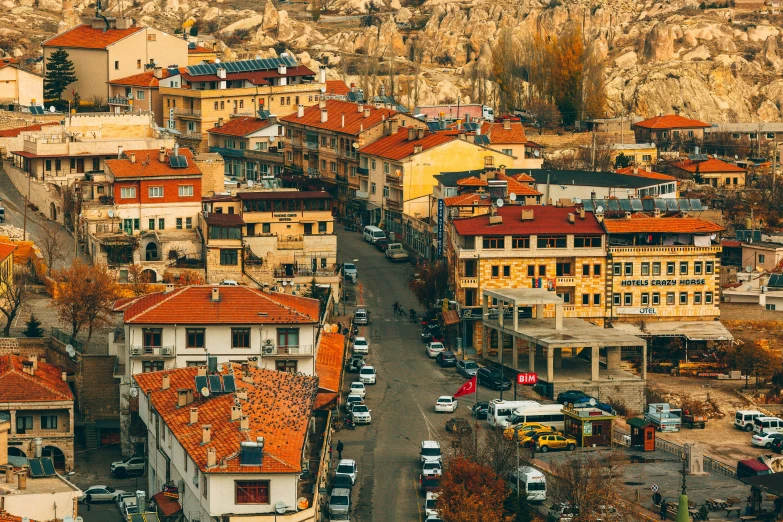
91,436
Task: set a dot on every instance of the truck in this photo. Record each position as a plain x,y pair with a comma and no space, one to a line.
692,420
395,252
663,417
455,112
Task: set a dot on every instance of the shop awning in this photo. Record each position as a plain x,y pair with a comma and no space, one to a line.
372,206
690,330
450,317
167,505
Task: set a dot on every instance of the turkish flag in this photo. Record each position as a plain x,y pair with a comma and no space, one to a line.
468,387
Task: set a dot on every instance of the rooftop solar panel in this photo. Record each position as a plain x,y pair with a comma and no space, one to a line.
201,382
671,205
588,205
648,205
696,204
36,468
48,466
774,280
625,204
684,204
660,204
636,205
215,384
229,386
481,140
613,205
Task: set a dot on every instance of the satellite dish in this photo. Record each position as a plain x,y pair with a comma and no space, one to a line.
111,213
280,507
302,503
205,392
70,351
52,109
599,209
512,197
285,283
577,200
713,237
220,368
749,269
134,392
323,89
653,144
217,60
736,157
327,328
591,402
536,153
355,145
499,202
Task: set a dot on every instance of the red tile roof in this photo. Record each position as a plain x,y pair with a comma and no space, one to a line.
148,166
524,178
167,505
240,127
546,220
16,131
515,187
673,225
497,134
86,37
730,243
6,249
467,200
8,517
254,77
645,174
354,120
398,147
236,305
328,367
279,406
711,165
670,121
145,79
46,385
471,181
337,87
200,50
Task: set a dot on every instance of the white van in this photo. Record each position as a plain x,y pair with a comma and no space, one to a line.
744,419
547,414
373,234
767,424
498,411
531,482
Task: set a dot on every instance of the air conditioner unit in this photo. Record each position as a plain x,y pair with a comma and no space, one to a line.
195,479
167,350
136,350
269,346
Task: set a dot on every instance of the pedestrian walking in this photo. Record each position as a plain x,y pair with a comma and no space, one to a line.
330,452
339,450
532,449
663,509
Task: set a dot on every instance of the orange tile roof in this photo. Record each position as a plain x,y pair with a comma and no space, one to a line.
466,200
145,79
471,181
200,50
86,37
46,385
497,134
672,225
148,166
524,178
645,174
236,305
397,146
329,362
6,249
337,87
670,121
8,517
354,120
711,165
514,186
241,126
16,131
279,406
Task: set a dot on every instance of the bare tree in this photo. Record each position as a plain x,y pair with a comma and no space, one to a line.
52,246
589,482
13,293
85,295
138,280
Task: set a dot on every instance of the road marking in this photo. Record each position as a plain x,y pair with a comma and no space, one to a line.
431,429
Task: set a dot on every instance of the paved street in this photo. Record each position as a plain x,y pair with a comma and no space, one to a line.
402,401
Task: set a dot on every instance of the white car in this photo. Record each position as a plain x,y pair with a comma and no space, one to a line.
765,439
434,348
358,388
361,346
367,375
431,504
360,414
351,400
446,404
430,451
229,282
100,494
432,467
348,468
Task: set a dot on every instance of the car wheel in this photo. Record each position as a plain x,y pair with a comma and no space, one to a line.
748,427
120,473
544,449
768,445
571,447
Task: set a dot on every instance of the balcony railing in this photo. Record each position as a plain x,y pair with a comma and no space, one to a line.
391,179
313,173
193,113
348,154
192,136
274,349
312,145
305,271
663,249
225,151
296,142
295,169
267,155
160,351
361,194
118,100
363,171
393,203
341,179
290,242
468,282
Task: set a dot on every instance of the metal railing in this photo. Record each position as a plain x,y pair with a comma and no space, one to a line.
226,151
290,242
719,467
118,100
313,173
305,272
393,179
273,349
312,145
188,112
362,171
348,154
66,339
162,351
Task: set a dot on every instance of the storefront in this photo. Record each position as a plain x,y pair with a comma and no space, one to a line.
590,427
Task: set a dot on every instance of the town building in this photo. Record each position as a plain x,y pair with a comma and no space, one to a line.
109,48
144,210
198,53
509,138
139,92
18,86
40,404
757,136
322,143
670,131
231,443
711,171
196,97
640,155
251,147
761,256
470,196
627,183
13,138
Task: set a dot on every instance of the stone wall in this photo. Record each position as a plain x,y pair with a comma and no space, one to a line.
216,272
42,194
748,312
630,393
99,391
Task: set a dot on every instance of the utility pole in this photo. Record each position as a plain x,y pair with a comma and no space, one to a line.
26,201
774,166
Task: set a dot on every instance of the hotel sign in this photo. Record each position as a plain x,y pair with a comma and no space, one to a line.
285,216
662,282
632,310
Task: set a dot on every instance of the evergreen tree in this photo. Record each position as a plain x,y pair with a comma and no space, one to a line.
33,327
60,73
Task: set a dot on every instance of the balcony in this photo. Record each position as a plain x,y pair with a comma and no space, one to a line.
296,142
156,351
363,171
393,204
566,281
290,242
192,136
468,282
312,145
347,154
264,155
305,271
224,151
658,250
391,179
313,173
294,169
273,350
361,194
118,100
341,179
187,113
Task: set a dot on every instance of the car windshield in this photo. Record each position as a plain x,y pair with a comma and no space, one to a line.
354,398
345,468
431,465
430,452
444,399
361,408
349,266
110,489
357,385
536,486
339,501
471,366
432,503
360,341
436,345
367,371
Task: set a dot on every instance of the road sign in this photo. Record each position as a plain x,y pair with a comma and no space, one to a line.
654,487
527,378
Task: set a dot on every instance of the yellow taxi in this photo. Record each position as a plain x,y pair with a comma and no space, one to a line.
510,433
552,441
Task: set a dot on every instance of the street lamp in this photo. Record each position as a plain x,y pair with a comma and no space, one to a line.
353,261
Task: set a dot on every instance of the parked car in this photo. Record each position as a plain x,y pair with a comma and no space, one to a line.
467,368
480,410
355,363
348,468
100,494
430,316
430,450
382,244
510,433
360,414
229,282
493,379
434,348
562,512
367,375
550,441
361,346
349,227
431,504
777,445
432,467
349,271
765,439
433,518
446,404
129,466
446,359
339,502
361,316
432,332
351,400
458,425
342,481
121,499
357,388
571,396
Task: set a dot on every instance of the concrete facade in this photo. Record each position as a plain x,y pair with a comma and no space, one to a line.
18,85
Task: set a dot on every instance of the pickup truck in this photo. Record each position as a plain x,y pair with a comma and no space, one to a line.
663,416
395,252
692,421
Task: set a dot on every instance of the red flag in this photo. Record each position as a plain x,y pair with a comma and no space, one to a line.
468,387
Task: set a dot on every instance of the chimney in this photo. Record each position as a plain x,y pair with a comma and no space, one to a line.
38,442
322,104
247,377
133,157
202,371
353,87
324,115
184,397
211,457
322,74
281,69
193,416
342,120
635,170
168,289
21,480
157,72
64,376
27,367
253,361
394,125
300,111
236,412
119,152
241,394
366,113
419,134
571,218
162,155
220,122
527,215
206,433
417,149
215,295
244,423
165,383
411,134
360,108
478,130
9,474
582,213
506,125
221,73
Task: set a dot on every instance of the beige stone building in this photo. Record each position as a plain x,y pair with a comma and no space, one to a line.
711,171
509,138
18,85
251,147
112,48
138,92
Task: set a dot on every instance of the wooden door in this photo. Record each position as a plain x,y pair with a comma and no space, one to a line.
80,165
649,438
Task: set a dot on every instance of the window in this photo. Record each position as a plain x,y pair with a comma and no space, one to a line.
372,188
24,423
288,337
645,269
616,299
627,299
709,267
58,166
656,299
586,299
216,105
531,270
596,299
567,298
185,191
373,164
670,268
204,478
628,269
333,166
251,492
228,257
551,242
116,65
194,337
563,269
697,298
152,224
585,270
385,167
48,422
188,223
179,223
683,298
762,258
495,271
520,242
542,270
156,192
646,157
492,242
139,95
266,228
128,192
697,268
161,223
770,307
587,241
138,64
151,366
48,165
240,338
222,105
506,271
241,104
617,269
656,269
645,299
322,227
684,268
596,270
385,191
670,298
286,366
707,297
